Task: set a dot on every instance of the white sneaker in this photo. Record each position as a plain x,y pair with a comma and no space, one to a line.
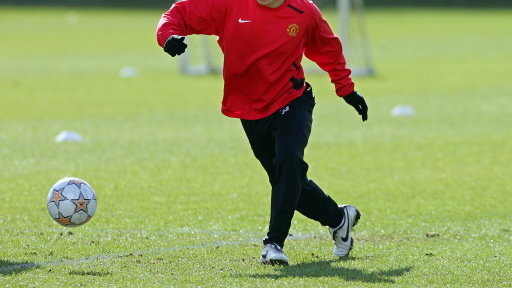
342,234
273,254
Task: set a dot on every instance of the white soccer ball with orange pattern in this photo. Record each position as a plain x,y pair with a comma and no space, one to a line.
71,202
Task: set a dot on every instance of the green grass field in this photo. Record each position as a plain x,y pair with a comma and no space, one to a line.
183,203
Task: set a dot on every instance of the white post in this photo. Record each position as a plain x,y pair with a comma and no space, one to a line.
344,12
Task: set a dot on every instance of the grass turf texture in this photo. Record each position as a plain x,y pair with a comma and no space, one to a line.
182,201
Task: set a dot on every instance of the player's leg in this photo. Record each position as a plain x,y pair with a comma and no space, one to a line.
260,136
311,201
293,190
291,130
283,171
278,142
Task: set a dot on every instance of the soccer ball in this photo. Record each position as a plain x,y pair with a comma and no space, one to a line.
71,202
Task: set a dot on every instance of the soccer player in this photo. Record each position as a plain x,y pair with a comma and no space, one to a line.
263,42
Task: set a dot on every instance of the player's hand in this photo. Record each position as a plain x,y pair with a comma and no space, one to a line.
175,45
357,101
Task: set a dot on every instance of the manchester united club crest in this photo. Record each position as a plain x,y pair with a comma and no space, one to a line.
293,30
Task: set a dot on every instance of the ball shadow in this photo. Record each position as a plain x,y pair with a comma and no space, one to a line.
90,273
10,268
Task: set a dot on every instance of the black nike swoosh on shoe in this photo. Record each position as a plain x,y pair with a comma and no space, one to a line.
345,239
264,256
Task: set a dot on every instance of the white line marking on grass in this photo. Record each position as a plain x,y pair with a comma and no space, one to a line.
108,257
184,230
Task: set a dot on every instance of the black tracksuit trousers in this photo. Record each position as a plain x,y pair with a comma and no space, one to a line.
278,142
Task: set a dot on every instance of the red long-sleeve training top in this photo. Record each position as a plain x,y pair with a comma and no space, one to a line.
263,49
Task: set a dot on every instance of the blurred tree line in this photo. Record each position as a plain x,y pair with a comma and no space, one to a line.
162,4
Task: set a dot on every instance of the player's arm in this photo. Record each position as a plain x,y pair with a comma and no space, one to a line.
187,18
325,49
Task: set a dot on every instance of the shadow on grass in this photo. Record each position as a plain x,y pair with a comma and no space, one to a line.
9,268
90,273
326,269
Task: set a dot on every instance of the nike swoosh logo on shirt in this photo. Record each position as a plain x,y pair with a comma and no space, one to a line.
243,21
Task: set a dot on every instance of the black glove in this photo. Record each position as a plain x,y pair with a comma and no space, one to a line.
357,101
175,45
